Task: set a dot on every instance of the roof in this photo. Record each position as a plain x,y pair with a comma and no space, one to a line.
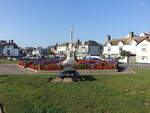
64,44
3,44
147,39
127,41
92,43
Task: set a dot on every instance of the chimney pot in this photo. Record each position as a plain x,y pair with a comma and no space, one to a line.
108,37
131,34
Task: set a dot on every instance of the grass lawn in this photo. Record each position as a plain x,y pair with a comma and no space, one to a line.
107,94
7,61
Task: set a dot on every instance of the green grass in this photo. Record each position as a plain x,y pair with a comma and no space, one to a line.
7,61
107,94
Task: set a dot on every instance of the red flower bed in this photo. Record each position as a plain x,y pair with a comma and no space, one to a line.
100,67
21,63
54,67
80,64
85,62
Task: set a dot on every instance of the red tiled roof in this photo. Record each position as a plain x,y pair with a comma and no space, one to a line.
127,41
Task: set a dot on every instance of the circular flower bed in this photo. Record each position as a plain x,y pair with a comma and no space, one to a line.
45,64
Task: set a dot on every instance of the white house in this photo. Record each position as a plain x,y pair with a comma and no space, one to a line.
37,52
143,51
83,50
9,48
113,48
62,48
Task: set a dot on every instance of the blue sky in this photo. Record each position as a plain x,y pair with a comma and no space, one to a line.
45,22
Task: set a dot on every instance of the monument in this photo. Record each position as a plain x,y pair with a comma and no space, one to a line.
71,50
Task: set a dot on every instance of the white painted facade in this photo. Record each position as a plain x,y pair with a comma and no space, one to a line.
36,52
143,52
131,47
62,50
83,50
10,50
113,51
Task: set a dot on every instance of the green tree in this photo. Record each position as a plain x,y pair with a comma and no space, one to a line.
126,53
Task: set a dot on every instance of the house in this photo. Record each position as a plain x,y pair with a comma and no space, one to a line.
9,48
89,48
62,49
143,51
53,48
37,52
83,50
113,47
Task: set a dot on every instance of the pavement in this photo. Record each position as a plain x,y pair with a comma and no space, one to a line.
11,69
139,66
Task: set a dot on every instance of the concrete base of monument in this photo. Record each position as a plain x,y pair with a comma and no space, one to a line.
69,61
69,79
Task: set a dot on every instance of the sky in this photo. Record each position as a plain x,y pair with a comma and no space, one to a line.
46,22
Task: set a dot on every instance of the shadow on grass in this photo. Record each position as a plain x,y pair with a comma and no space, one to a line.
1,108
88,78
1,76
121,69
71,78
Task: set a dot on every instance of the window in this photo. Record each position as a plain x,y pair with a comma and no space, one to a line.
143,49
120,48
8,52
144,58
109,48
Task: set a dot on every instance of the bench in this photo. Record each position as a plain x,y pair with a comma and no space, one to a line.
69,71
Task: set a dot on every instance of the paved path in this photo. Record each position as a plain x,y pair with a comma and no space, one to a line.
10,69
139,66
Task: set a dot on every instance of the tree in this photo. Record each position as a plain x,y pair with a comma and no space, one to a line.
47,52
126,53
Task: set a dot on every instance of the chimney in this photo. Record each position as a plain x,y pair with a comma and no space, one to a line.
78,42
131,34
108,37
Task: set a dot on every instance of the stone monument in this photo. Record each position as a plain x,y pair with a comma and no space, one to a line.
71,50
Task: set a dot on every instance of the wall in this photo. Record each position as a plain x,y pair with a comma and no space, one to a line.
143,55
114,52
13,51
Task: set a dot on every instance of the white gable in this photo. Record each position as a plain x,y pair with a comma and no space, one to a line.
144,42
120,43
108,44
133,42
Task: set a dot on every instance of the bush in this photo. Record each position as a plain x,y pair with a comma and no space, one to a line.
81,66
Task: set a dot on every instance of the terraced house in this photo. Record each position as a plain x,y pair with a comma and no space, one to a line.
9,48
143,51
113,47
